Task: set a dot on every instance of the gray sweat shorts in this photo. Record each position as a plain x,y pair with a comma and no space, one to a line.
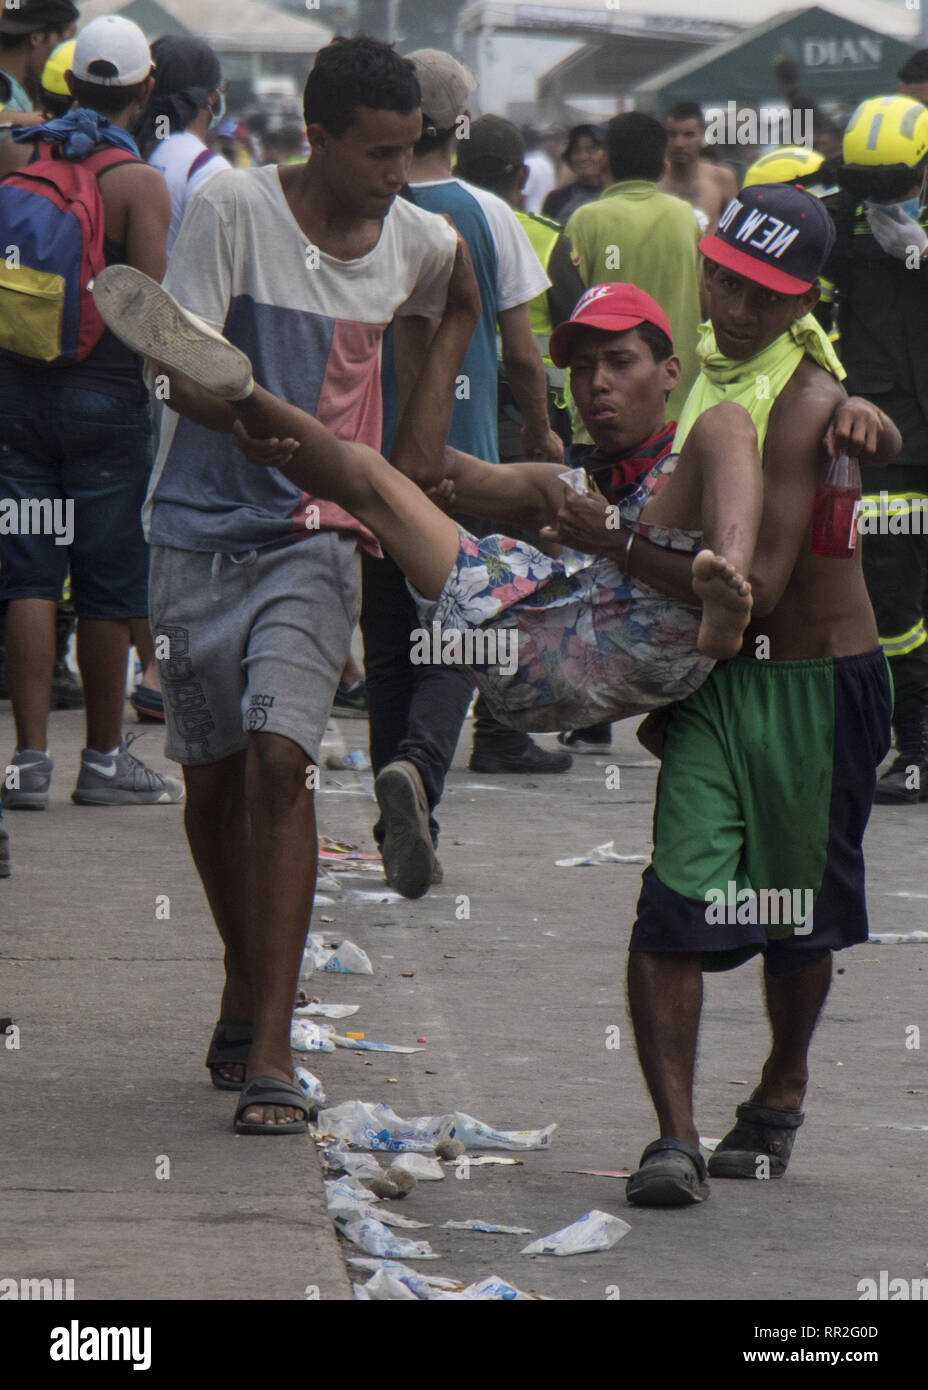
256,642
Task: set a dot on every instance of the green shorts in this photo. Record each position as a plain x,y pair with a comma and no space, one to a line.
763,798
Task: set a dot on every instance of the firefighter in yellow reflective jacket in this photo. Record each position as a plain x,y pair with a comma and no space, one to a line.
880,268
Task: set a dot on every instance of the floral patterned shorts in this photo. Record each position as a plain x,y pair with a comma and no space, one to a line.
593,646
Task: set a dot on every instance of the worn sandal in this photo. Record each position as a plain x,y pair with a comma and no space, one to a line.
229,1047
269,1090
762,1131
671,1173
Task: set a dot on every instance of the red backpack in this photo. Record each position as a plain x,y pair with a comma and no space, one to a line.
51,247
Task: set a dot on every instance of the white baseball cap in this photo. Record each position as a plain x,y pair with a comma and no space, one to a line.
111,52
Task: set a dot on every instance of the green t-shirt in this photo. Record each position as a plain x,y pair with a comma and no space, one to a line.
638,235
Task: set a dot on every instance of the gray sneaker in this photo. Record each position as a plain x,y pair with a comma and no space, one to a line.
409,860
123,781
30,773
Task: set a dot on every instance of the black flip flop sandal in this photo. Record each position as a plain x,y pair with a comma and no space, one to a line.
228,1047
269,1090
671,1173
762,1131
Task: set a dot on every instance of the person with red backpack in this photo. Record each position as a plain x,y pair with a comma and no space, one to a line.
75,422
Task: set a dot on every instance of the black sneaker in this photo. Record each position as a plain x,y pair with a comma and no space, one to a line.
5,866
528,758
67,691
591,740
906,782
350,704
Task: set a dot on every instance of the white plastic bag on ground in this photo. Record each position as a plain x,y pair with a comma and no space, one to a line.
377,1127
326,1010
900,938
311,1037
377,1239
348,1197
429,1169
344,959
597,1230
422,1285
356,1165
383,1285
492,1288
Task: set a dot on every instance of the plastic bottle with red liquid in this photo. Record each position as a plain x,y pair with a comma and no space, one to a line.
837,505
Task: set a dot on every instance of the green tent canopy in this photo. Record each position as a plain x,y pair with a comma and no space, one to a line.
839,61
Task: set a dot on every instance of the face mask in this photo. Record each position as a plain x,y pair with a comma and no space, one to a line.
217,115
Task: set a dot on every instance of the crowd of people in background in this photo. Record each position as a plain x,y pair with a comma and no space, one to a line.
320,247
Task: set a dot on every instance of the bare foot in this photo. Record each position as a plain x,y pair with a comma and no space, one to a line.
726,605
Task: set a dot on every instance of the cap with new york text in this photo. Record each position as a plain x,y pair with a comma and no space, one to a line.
775,234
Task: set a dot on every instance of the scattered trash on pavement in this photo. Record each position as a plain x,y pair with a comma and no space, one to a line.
597,1230
602,854
421,1285
900,938
427,1169
377,1239
314,1009
349,762
311,1037
344,959
487,1226
376,1126
389,1278
484,1159
492,1288
600,1172
310,1085
367,1045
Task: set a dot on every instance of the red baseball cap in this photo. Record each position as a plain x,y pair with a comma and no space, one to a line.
611,308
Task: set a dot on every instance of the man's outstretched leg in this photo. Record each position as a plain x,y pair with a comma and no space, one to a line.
665,1001
717,488
760,1144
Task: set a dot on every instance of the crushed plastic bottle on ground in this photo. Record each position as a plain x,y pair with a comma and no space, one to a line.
310,1085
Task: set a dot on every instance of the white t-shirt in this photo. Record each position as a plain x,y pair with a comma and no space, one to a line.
174,158
542,178
312,325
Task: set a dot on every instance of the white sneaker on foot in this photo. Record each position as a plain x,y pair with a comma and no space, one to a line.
151,322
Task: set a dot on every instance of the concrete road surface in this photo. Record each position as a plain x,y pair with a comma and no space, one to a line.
122,1172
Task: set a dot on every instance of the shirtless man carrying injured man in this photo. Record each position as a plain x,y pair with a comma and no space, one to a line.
593,645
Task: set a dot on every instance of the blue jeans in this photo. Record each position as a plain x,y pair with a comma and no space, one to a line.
74,469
